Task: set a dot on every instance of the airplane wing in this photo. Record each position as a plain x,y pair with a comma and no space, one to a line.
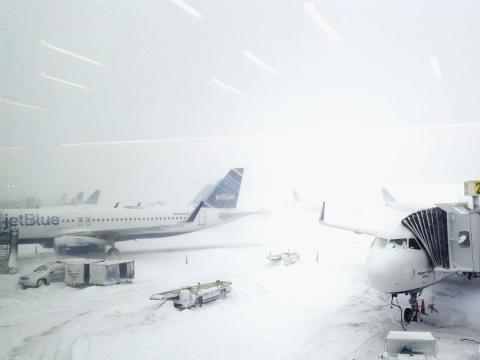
356,230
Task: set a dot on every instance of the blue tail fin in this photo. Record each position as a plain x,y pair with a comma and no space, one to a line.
225,193
93,199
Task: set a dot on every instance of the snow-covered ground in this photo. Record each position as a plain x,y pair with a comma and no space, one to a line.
309,310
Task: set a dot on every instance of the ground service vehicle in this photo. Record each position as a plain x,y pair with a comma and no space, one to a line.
193,296
44,275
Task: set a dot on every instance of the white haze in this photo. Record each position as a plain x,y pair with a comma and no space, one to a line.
363,110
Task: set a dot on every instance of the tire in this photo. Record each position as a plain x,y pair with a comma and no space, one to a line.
407,315
41,282
113,251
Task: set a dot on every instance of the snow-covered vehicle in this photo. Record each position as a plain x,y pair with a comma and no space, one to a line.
287,258
193,296
43,275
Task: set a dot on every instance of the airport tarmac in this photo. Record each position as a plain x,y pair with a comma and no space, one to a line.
308,310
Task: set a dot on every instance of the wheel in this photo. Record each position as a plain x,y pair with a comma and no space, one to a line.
199,302
408,315
113,251
41,282
223,293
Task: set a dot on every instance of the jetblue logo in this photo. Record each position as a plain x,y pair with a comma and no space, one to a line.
224,197
29,220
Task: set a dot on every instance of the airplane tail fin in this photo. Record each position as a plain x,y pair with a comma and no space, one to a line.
62,200
78,199
93,199
321,219
296,197
225,194
195,212
387,197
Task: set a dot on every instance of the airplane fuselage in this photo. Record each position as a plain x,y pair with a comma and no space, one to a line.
395,268
40,225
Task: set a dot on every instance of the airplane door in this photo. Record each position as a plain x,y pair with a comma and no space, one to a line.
460,241
202,218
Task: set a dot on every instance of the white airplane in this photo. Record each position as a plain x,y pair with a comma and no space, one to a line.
85,229
396,263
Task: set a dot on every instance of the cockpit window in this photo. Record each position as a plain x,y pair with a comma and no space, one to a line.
40,268
392,243
413,244
379,242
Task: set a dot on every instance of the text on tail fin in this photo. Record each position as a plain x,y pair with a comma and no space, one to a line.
225,194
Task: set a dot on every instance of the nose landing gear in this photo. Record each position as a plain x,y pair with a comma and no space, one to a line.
113,251
412,313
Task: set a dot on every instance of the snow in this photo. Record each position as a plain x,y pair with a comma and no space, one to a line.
308,310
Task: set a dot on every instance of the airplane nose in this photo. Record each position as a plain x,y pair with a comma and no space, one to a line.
385,271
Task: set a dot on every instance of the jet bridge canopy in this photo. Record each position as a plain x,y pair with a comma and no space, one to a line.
450,234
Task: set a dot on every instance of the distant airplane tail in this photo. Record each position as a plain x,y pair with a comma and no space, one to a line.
296,197
78,199
387,197
225,194
62,200
93,199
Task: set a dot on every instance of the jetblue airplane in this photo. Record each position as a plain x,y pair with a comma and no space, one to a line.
89,229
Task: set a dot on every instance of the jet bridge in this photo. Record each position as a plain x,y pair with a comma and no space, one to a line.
450,234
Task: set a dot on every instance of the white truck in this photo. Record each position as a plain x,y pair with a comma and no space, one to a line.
193,296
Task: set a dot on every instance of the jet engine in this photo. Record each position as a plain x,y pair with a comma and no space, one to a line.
73,245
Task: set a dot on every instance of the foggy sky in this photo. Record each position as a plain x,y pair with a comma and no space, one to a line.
242,68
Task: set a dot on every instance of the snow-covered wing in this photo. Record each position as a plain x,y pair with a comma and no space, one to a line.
356,230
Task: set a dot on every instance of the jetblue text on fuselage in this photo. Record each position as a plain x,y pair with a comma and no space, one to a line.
29,220
223,197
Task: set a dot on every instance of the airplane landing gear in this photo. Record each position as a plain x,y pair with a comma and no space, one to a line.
413,312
